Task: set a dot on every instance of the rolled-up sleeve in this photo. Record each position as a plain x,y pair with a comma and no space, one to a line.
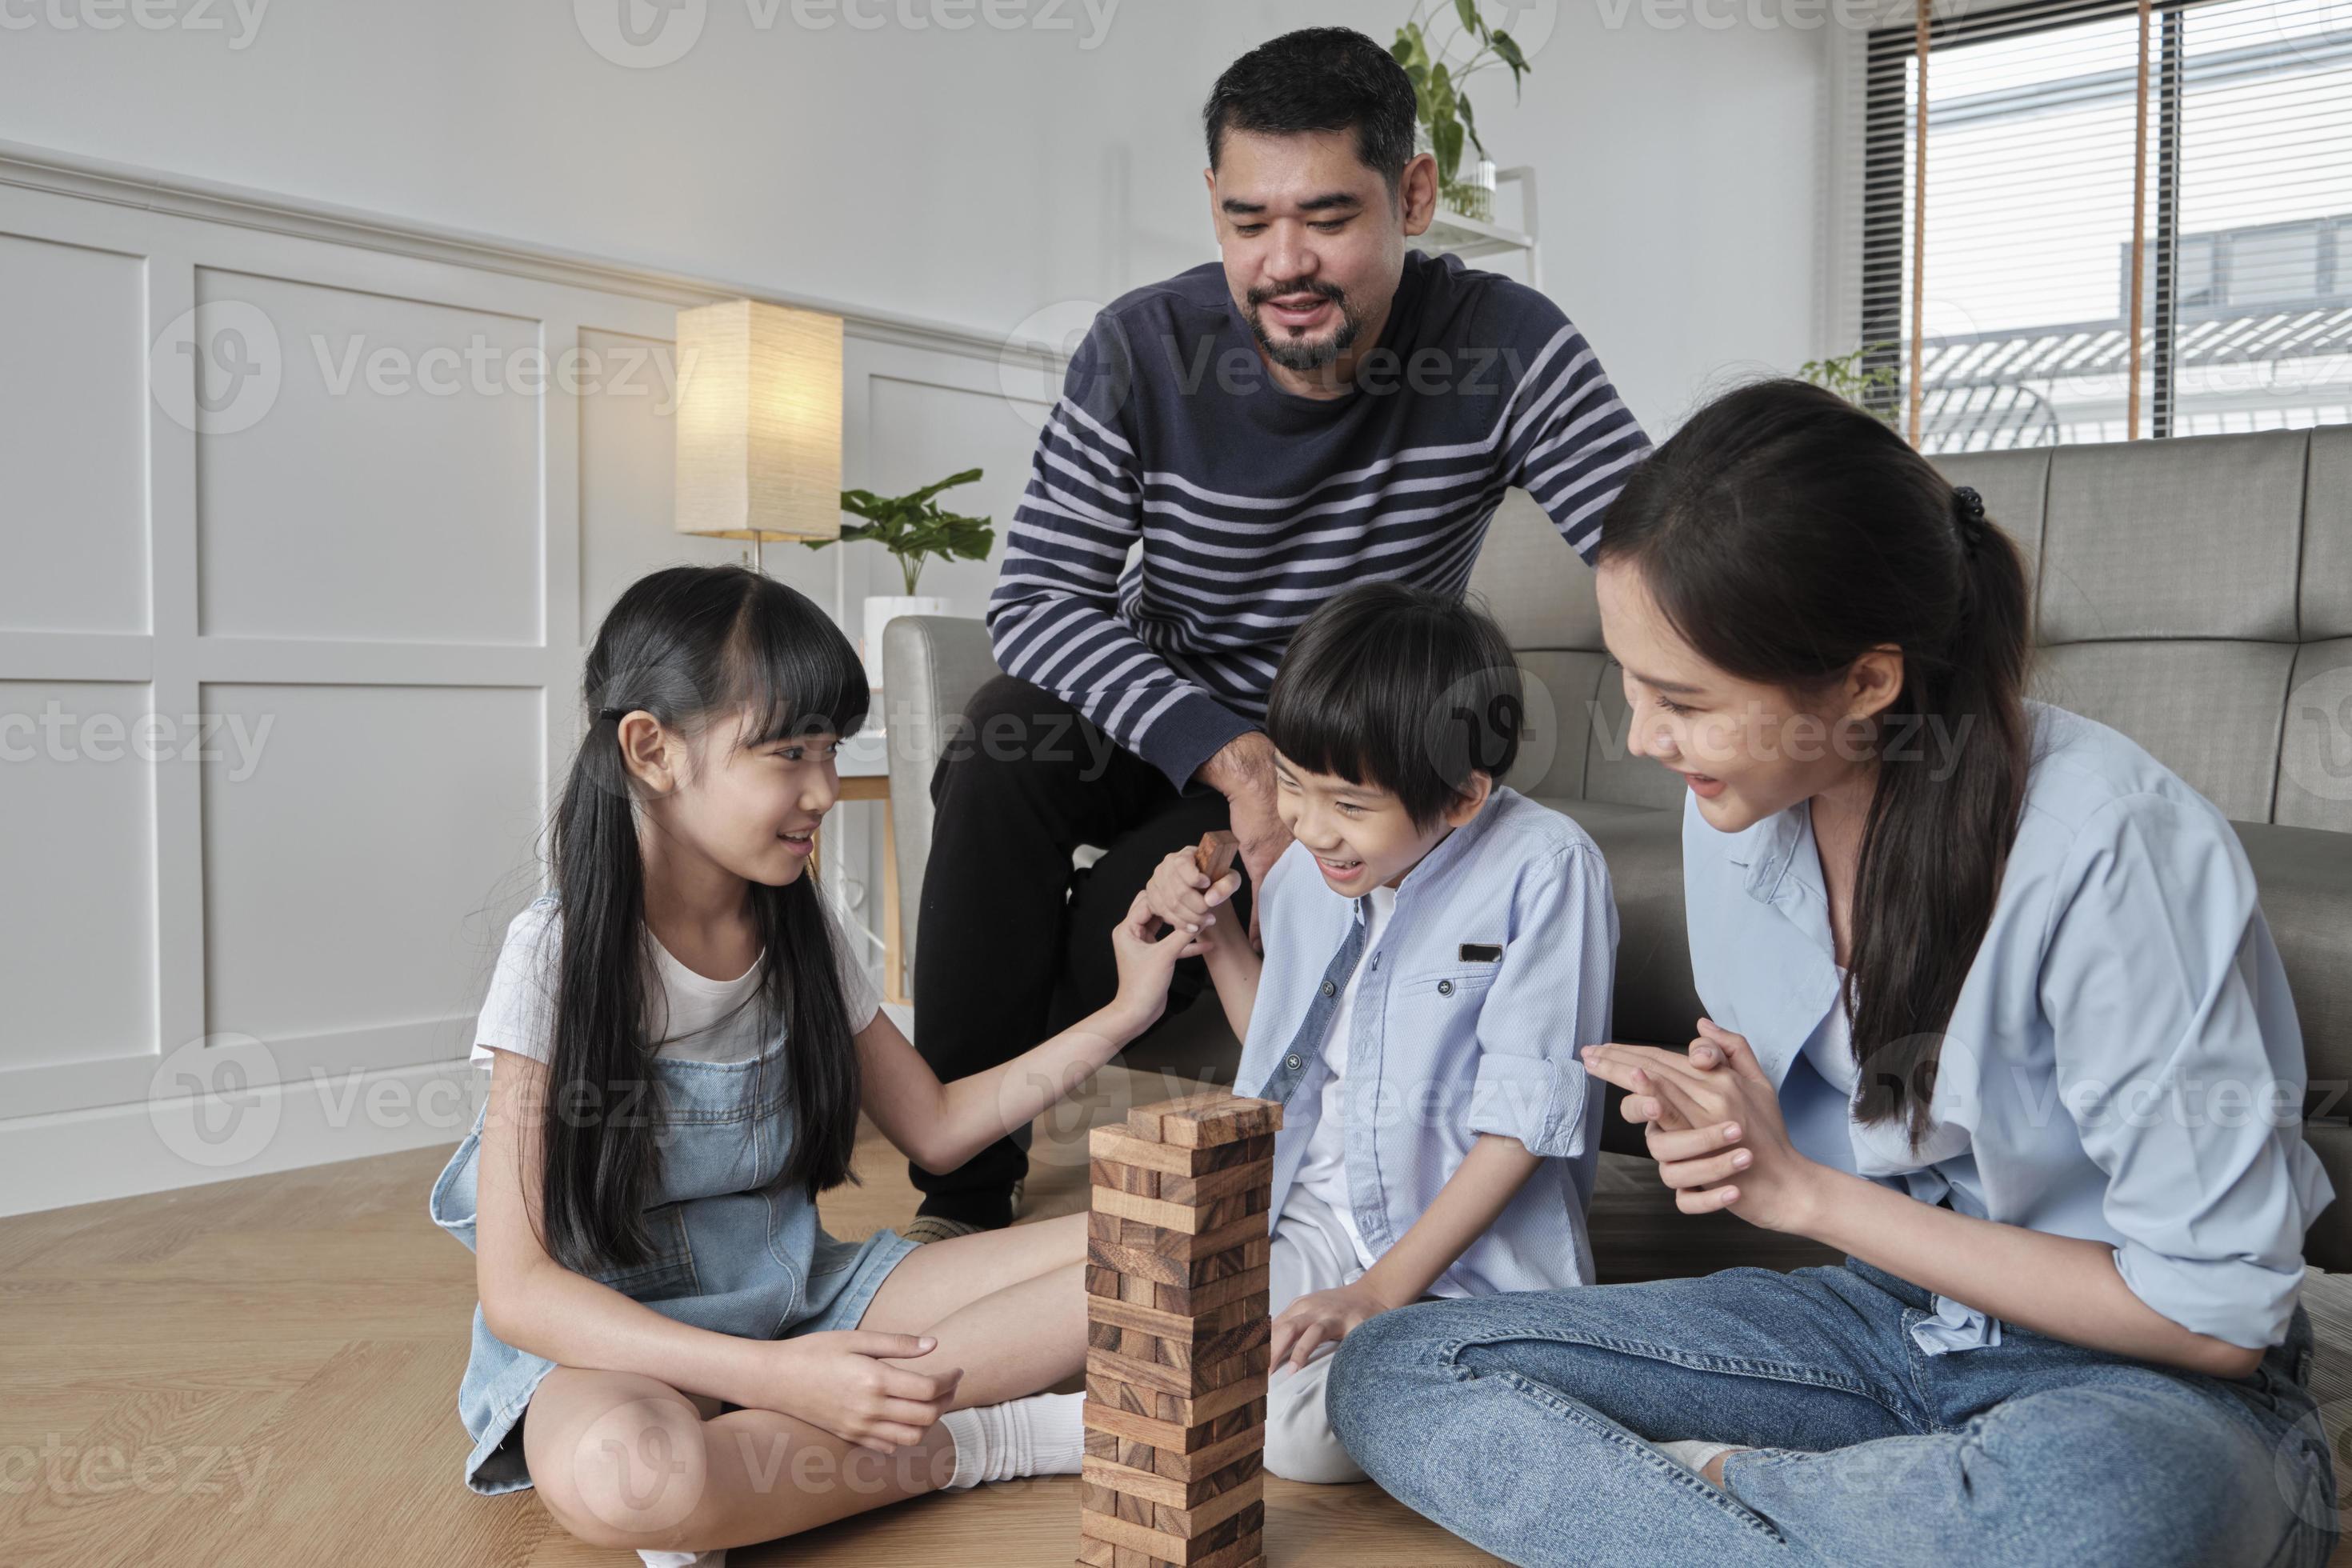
1549,999
2180,1060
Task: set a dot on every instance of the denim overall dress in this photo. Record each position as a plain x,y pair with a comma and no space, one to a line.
725,1255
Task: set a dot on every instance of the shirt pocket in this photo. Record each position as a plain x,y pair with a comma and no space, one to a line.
1431,1036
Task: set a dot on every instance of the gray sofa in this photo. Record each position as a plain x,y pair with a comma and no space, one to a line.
2195,593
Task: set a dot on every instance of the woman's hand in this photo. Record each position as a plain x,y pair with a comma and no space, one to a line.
1716,1131
1321,1317
839,1381
1182,894
1146,962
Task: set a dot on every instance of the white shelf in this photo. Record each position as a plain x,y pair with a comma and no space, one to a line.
1470,237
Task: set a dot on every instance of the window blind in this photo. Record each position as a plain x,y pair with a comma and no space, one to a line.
2219,134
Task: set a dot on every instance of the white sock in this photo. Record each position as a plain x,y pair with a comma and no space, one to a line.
1042,1435
686,1559
1693,1455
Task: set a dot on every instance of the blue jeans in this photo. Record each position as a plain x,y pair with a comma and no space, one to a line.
1518,1423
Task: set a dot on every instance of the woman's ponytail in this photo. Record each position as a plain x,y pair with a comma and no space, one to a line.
1940,826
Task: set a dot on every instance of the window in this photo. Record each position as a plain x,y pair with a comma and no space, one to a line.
2246,265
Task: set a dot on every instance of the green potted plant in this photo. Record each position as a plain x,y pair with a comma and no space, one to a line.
1866,378
1442,108
913,528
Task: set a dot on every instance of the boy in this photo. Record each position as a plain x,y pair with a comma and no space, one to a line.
1437,949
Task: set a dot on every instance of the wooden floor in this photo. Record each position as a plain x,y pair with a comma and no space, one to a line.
265,1372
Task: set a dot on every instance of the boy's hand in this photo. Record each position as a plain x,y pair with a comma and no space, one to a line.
1146,961
1319,1317
1180,894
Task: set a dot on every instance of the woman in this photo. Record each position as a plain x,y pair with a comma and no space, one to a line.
1993,1011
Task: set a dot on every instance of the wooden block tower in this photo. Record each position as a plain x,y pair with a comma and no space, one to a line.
1177,1335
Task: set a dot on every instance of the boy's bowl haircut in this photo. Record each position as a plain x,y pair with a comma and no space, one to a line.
1401,688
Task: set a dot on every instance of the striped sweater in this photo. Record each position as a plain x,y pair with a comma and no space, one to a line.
1253,505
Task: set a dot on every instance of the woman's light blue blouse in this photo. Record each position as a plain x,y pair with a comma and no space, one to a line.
2123,1064
1491,973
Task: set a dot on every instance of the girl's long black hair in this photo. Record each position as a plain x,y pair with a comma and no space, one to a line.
1784,532
693,645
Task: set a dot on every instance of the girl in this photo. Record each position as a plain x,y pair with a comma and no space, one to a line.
1994,1013
1436,947
669,1345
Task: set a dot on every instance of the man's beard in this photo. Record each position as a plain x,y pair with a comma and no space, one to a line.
1304,355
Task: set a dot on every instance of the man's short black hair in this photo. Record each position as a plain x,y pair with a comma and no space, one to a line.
1318,79
1400,689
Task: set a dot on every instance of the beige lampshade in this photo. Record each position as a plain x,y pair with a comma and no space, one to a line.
759,421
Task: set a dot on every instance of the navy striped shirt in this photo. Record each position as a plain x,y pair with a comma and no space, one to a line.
1254,504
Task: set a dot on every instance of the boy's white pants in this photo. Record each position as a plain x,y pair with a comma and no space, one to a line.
1311,1252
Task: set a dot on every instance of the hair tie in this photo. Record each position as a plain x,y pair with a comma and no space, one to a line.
613,713
1969,511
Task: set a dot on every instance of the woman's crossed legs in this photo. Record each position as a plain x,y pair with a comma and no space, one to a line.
1524,1424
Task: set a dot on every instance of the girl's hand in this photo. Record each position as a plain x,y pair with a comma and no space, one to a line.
1146,962
1718,1134
1319,1317
1181,894
839,1381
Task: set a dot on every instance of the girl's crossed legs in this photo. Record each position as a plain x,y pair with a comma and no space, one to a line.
1006,1306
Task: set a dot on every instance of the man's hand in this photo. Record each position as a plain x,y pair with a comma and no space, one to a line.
1243,771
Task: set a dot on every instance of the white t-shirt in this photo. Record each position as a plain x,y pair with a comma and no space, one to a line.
697,1018
1322,1169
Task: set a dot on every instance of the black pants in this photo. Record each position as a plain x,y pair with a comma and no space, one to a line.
1013,946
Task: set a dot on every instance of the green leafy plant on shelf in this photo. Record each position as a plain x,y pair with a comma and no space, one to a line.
1869,387
1437,80
913,528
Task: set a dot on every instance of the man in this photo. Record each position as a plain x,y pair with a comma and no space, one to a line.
1321,407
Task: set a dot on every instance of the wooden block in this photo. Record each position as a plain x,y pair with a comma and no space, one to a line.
1102,1282
1092,1553
1215,855
1186,1217
1167,1437
1140,1180
1184,1300
1119,1144
1195,1522
1192,1382
1136,1265
1257,1175
1214,1459
1184,1246
1150,1122
1173,1327
1231,1123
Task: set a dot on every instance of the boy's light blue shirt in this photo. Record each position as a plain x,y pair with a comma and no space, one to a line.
2123,1064
1446,1045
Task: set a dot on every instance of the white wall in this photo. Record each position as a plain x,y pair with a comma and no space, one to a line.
400,584
974,176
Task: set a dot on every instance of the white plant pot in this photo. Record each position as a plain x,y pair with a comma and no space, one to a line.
881,609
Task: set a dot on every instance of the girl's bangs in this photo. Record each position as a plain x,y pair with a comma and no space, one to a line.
794,673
